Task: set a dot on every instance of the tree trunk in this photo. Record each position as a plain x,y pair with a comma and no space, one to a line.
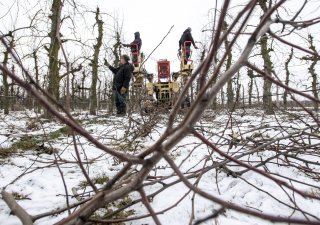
215,104
95,62
238,95
117,50
313,74
67,89
73,90
230,94
6,102
285,94
14,96
243,96
257,89
265,51
83,94
99,95
55,17
214,99
250,90
36,68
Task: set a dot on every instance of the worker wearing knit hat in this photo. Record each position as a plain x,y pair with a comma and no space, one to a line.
126,57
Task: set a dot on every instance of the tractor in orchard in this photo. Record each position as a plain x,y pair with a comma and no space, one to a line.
163,89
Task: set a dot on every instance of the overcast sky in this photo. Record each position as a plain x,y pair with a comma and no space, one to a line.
153,20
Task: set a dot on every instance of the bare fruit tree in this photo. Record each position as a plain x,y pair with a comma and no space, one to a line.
95,61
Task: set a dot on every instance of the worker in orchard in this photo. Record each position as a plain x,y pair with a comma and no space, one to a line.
135,47
121,80
185,42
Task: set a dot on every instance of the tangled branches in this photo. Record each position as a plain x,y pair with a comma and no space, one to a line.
275,156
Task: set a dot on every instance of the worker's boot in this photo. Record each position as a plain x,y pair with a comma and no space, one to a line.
122,111
119,111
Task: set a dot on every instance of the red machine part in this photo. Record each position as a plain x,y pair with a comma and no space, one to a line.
185,51
135,54
164,70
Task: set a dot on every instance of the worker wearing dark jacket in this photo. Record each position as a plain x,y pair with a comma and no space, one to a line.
121,80
187,36
135,47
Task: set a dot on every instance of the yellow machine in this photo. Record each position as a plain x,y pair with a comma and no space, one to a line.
166,87
139,72
186,68
142,90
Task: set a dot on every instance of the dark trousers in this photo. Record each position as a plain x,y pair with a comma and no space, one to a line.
187,54
135,59
120,100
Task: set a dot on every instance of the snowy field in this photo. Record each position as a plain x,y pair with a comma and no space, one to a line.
33,177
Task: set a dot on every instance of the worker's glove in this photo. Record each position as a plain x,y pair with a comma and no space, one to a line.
125,45
123,90
106,63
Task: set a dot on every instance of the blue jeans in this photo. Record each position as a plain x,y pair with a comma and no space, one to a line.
120,100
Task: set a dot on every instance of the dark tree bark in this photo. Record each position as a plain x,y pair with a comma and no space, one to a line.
214,99
230,94
36,69
117,50
257,89
265,51
314,60
285,94
73,90
6,104
95,66
55,17
250,90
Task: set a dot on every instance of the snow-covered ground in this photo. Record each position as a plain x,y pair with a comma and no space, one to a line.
34,177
